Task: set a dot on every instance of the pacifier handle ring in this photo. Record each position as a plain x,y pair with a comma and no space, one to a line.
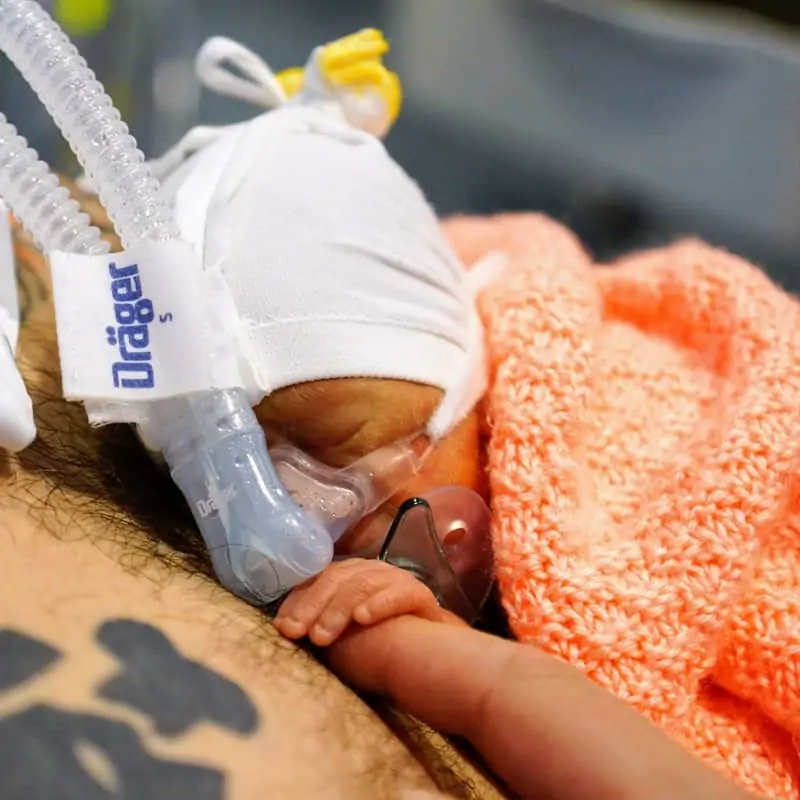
405,507
402,511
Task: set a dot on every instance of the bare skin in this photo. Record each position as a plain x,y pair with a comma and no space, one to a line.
78,563
85,570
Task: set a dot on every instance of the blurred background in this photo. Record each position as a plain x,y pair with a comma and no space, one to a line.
632,122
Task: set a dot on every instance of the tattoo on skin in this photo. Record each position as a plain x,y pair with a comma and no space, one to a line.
52,753
48,753
22,658
173,691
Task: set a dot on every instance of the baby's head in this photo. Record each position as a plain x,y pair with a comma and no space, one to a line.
354,319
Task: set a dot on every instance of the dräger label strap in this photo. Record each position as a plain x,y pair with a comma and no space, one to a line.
137,325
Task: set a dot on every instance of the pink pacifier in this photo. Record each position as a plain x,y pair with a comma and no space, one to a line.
444,539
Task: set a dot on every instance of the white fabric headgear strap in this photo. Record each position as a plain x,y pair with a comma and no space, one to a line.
258,84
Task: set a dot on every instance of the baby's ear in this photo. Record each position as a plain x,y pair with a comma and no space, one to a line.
340,421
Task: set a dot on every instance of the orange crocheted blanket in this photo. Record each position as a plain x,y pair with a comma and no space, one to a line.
644,445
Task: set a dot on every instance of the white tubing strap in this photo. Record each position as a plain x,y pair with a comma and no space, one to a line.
195,139
259,84
255,84
137,326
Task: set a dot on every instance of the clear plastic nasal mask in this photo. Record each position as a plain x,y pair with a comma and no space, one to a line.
270,521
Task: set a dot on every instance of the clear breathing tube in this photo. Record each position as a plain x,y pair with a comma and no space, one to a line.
261,542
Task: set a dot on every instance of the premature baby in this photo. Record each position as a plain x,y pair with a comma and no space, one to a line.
638,436
357,324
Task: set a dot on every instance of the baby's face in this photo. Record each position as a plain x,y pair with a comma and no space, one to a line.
340,421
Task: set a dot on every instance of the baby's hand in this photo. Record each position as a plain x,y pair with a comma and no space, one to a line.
357,590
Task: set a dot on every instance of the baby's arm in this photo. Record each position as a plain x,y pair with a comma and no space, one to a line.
360,591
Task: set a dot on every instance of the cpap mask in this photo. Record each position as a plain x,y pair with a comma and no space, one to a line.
153,336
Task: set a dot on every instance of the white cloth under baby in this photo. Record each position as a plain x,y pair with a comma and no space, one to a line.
333,258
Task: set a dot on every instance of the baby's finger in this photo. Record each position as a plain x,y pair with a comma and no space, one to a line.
403,596
373,579
305,603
